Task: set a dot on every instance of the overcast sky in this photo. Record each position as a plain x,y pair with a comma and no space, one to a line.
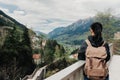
46,15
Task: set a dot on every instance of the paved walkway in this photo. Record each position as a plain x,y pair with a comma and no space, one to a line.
114,68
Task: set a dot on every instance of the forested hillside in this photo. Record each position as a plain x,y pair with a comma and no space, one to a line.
15,49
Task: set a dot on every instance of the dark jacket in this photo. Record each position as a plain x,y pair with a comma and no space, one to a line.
82,50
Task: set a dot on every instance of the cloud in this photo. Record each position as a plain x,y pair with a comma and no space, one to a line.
19,12
4,9
45,15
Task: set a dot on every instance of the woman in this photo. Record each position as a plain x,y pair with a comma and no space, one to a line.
96,40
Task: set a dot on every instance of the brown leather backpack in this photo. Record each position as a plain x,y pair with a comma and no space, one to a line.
95,66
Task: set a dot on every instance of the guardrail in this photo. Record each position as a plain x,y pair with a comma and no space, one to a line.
30,76
73,72
25,78
41,75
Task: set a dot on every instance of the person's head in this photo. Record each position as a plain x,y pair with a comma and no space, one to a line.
96,30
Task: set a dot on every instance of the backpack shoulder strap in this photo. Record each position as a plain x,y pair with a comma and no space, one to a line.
88,42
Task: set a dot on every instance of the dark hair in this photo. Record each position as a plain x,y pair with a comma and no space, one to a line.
97,29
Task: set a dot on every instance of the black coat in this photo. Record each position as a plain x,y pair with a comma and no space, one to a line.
82,50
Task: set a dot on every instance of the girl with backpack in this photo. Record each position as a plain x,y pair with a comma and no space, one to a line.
95,51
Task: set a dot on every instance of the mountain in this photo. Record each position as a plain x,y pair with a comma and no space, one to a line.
56,32
7,23
72,33
6,20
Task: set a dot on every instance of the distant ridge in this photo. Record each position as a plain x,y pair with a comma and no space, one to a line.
71,34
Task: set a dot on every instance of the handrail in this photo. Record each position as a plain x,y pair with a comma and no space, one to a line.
30,76
26,77
41,75
67,73
38,74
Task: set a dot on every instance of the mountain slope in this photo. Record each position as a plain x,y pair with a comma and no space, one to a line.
7,24
7,20
71,34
